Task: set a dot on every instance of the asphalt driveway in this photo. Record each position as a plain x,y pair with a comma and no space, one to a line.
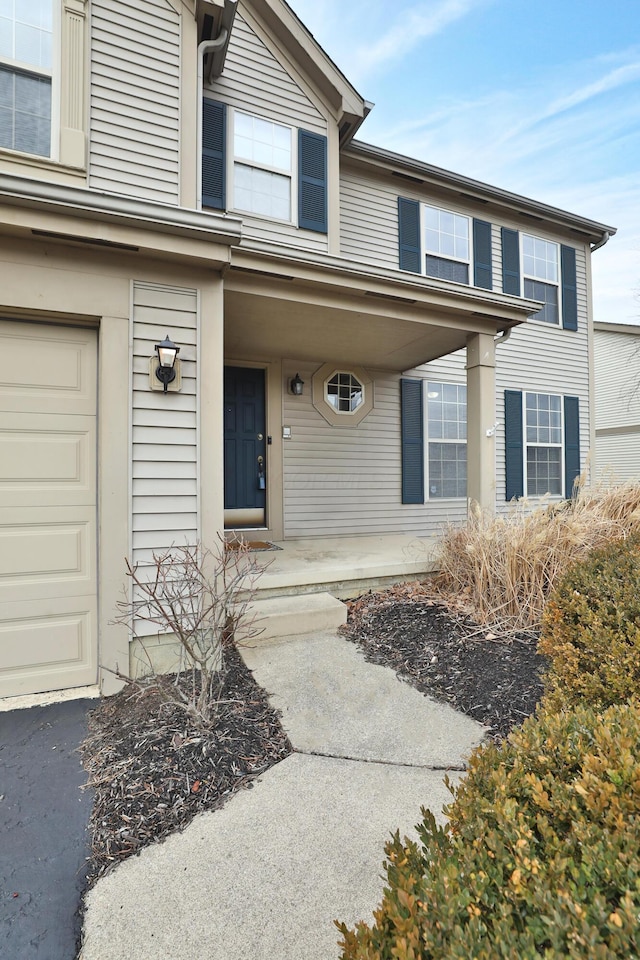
43,830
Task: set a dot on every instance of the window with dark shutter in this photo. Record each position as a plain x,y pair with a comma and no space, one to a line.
482,268
409,235
510,262
571,444
514,462
312,181
214,132
569,289
412,429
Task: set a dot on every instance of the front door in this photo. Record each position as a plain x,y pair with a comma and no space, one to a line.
245,478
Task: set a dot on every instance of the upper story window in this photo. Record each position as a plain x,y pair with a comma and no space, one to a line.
447,245
443,244
540,272
262,167
26,41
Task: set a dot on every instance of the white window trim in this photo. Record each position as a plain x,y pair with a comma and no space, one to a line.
231,162
432,253
53,74
363,388
342,418
527,276
428,439
526,444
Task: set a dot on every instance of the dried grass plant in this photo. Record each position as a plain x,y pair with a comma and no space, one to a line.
202,599
505,567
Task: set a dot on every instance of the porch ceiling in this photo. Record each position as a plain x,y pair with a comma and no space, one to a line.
267,321
271,328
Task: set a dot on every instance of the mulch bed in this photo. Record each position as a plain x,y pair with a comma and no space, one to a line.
153,768
491,675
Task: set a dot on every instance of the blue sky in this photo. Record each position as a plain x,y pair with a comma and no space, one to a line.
542,99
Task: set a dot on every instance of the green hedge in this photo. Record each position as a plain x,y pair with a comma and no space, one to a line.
541,856
591,629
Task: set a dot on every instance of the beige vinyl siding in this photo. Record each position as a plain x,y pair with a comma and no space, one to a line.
617,404
617,379
254,81
368,220
135,99
618,456
348,479
537,358
164,483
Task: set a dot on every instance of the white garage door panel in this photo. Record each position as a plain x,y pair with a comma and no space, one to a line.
53,555
47,369
47,459
50,649
48,576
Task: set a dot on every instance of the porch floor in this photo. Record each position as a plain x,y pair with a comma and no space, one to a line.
345,566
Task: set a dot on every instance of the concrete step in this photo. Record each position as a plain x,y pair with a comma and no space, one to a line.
296,615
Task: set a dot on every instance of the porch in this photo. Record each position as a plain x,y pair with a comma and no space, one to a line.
304,581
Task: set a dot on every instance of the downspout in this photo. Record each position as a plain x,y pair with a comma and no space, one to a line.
503,337
606,236
207,46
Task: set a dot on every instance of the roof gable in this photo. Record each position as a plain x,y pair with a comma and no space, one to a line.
300,48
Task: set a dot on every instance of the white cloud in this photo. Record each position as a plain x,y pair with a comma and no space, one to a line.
364,36
619,77
568,134
412,26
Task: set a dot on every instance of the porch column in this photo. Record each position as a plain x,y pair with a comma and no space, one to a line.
211,373
481,420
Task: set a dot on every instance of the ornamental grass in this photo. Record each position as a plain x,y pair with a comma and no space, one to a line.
505,567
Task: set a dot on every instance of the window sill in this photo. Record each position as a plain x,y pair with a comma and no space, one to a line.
26,163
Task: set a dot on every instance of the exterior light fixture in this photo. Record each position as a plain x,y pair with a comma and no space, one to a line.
167,353
297,384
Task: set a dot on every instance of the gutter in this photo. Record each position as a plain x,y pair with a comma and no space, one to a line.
475,190
113,208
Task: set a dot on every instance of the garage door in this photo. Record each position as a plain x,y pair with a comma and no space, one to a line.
48,622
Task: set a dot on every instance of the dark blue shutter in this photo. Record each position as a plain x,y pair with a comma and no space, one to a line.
510,261
312,181
571,443
569,288
214,135
412,426
409,235
482,272
514,453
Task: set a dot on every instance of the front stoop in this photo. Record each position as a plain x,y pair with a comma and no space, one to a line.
295,615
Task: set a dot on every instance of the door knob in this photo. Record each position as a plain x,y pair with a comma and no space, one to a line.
260,437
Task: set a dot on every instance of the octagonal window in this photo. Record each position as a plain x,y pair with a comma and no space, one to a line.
344,392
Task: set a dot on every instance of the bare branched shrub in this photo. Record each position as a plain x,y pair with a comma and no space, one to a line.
201,599
507,566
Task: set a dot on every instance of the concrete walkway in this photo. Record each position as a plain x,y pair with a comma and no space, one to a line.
265,876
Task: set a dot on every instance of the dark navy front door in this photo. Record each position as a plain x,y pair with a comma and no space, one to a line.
244,447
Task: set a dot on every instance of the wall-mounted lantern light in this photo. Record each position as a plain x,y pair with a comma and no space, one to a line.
165,369
297,384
